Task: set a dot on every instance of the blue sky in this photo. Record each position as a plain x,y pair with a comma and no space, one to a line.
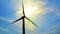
48,22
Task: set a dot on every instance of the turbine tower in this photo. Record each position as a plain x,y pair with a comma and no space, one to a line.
23,20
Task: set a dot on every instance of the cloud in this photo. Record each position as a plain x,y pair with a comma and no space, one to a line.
3,29
6,19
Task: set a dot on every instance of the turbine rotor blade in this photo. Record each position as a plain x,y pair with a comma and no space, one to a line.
23,8
17,20
31,21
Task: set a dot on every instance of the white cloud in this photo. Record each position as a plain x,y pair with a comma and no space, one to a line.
3,29
6,19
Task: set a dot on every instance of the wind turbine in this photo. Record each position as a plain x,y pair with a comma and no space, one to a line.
23,20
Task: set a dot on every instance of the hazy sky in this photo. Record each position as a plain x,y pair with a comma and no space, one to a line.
45,13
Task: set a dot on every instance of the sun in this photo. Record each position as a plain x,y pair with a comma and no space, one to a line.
29,10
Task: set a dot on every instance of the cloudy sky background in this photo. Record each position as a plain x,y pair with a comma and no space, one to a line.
46,15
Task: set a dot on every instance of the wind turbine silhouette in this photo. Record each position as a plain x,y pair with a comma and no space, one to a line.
23,19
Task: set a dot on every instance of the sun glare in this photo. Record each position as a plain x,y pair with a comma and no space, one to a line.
29,10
